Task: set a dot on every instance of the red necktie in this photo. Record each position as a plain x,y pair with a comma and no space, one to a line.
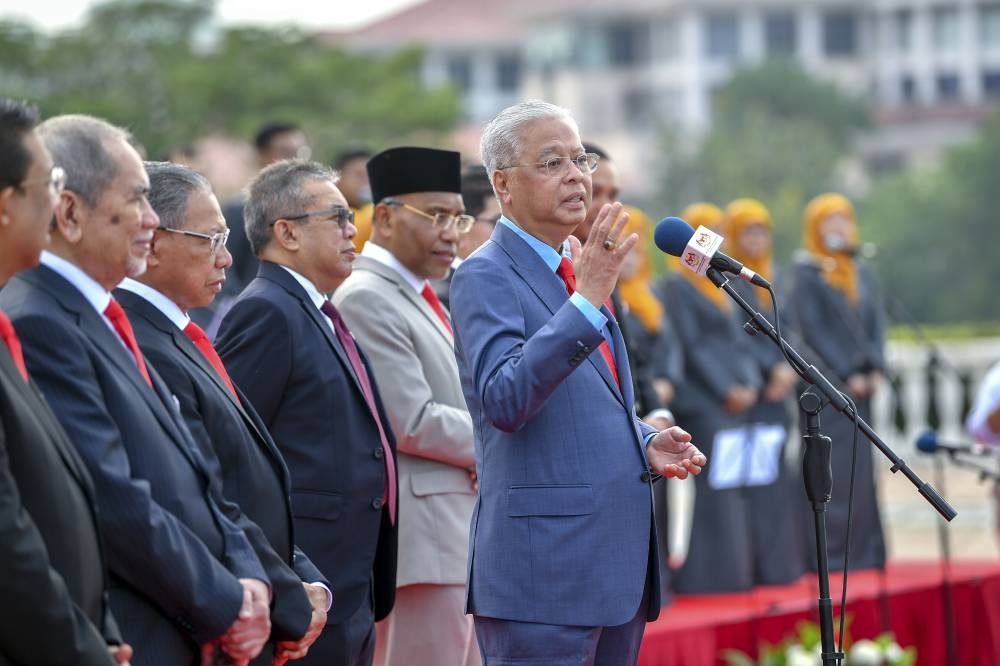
351,348
9,337
565,271
201,341
435,303
121,324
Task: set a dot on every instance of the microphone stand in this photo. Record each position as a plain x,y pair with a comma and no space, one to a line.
817,467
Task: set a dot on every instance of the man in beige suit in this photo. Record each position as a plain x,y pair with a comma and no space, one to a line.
390,306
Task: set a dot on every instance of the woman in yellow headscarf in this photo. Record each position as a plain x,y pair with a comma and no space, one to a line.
720,386
842,325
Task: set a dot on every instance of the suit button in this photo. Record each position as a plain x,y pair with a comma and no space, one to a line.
377,503
378,453
644,477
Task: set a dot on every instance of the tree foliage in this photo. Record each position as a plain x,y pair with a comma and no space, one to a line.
166,70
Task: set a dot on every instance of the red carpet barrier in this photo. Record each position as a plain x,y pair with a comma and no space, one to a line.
909,601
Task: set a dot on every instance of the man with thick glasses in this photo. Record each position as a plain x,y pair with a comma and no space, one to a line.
186,269
563,554
289,350
389,303
54,583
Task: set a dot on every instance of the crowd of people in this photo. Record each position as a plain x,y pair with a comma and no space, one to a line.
394,390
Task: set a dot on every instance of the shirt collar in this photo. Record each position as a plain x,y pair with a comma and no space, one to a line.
317,298
387,258
169,309
551,258
92,291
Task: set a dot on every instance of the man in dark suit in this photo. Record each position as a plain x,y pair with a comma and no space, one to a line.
288,349
562,561
182,574
54,584
185,269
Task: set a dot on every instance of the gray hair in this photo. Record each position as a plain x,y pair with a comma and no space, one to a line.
80,145
276,192
500,145
170,187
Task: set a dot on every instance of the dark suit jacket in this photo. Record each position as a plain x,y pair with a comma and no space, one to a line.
280,350
53,584
240,449
174,557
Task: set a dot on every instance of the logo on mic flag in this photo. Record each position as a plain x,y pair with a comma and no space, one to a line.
701,248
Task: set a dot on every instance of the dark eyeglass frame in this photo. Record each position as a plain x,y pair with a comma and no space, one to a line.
342,216
441,221
556,166
56,180
216,240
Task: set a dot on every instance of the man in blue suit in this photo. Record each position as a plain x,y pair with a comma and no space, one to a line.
562,564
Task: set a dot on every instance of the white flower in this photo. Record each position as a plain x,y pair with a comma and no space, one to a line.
796,655
893,653
865,653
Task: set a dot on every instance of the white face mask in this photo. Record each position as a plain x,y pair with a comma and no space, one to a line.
365,194
835,242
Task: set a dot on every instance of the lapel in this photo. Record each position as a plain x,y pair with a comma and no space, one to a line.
406,291
551,290
279,275
159,399
138,305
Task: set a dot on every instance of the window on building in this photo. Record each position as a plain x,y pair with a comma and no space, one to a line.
780,36
840,33
989,26
508,72
945,28
902,23
722,36
948,87
907,89
627,43
460,72
638,109
991,83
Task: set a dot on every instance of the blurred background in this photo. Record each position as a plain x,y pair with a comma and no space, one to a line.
890,101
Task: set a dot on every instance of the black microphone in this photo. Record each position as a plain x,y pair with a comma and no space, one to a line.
928,443
699,251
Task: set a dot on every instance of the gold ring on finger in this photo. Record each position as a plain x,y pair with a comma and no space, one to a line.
609,245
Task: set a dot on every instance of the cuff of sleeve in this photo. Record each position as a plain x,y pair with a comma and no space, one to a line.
593,315
650,437
329,595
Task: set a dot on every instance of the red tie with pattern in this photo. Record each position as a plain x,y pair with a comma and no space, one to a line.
565,271
204,345
9,337
123,327
432,299
351,348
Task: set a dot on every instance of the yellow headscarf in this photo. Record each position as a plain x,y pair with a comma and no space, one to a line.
708,215
838,268
635,291
741,214
363,221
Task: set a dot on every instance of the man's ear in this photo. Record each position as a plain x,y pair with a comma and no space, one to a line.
501,185
5,196
287,235
382,221
70,216
153,258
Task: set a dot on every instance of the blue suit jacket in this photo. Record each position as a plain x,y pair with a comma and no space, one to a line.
281,352
174,557
561,531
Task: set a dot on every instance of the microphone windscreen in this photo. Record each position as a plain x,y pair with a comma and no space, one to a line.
928,442
672,235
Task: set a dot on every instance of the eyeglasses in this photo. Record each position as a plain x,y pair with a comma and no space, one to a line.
556,166
56,180
342,216
216,240
442,221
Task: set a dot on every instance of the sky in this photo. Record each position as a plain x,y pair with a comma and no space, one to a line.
343,14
